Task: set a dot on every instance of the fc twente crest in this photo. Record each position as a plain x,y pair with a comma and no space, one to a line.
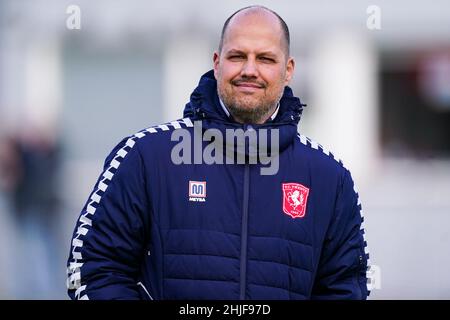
295,197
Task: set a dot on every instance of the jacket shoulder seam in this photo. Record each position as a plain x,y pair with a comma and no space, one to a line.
308,142
168,126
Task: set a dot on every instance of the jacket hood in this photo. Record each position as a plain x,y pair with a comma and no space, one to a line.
204,105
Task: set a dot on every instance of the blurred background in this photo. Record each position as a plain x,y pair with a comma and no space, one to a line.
77,76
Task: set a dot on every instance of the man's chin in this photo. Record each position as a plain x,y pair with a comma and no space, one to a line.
246,108
248,103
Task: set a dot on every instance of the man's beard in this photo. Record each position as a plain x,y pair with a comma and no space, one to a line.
246,110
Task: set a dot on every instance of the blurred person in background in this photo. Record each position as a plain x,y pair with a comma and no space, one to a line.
9,172
29,163
150,230
9,164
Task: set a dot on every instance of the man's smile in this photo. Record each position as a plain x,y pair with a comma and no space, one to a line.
247,87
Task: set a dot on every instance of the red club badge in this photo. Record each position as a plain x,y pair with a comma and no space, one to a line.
295,197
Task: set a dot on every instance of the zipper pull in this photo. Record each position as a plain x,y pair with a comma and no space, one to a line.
200,113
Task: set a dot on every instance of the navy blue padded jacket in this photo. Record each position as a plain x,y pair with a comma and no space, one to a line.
296,234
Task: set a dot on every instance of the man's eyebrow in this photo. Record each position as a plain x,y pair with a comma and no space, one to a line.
267,53
264,53
235,51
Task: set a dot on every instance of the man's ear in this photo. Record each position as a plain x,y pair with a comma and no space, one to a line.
290,67
216,59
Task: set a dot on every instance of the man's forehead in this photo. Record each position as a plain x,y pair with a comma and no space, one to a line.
262,30
251,16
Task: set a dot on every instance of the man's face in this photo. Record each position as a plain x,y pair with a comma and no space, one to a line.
252,69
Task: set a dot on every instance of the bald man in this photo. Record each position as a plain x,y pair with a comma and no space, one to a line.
229,202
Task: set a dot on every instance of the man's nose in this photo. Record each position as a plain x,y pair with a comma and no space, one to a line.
249,69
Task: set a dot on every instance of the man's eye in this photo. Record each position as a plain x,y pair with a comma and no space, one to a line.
266,59
235,57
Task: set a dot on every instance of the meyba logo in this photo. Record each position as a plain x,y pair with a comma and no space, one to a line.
197,191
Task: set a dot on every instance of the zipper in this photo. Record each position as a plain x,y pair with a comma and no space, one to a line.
145,289
361,265
244,232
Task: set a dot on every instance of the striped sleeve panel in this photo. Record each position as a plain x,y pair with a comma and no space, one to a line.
85,220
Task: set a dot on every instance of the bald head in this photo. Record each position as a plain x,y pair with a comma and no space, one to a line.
253,66
258,12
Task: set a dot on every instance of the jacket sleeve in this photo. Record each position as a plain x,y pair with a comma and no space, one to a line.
342,268
109,239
